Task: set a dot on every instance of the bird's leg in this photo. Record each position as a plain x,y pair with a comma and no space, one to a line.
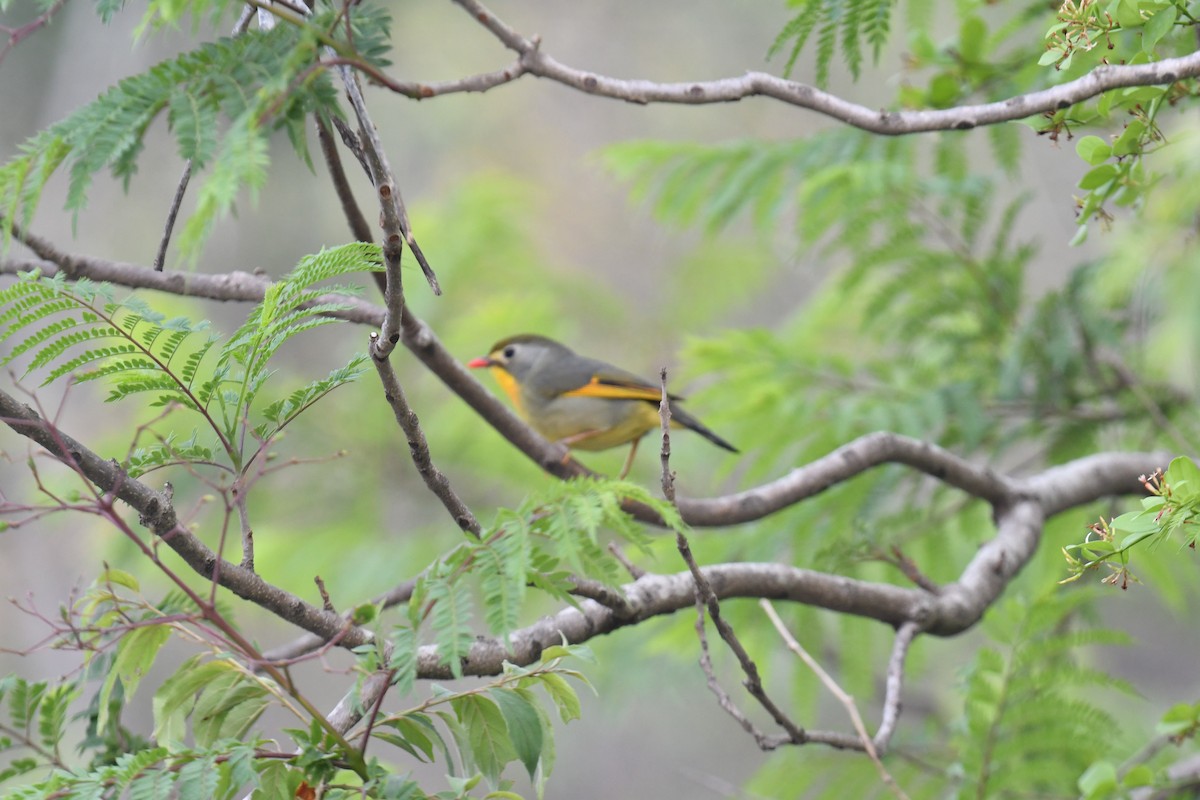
575,438
629,459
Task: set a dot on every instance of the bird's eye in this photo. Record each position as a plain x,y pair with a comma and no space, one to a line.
510,351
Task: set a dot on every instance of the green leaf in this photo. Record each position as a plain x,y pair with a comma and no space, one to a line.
403,659
119,577
52,716
1049,57
1099,176
1099,780
563,695
1140,775
417,736
136,653
198,779
487,733
1183,476
452,614
1093,150
227,707
1128,13
1181,718
176,697
1158,26
524,726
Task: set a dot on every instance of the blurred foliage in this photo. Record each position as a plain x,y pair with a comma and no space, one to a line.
919,318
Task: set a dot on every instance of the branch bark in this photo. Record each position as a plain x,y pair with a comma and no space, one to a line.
156,513
532,60
1054,491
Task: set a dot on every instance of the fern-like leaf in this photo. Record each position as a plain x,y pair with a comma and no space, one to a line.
168,451
848,22
244,79
453,611
281,412
1029,708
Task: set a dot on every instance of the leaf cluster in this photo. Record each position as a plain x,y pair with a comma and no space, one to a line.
1030,706
1172,511
1024,724
137,350
852,24
222,101
478,732
552,539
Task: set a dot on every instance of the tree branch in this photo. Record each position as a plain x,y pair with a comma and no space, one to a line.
156,513
1055,490
418,447
533,61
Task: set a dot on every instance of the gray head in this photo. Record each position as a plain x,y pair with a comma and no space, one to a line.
524,354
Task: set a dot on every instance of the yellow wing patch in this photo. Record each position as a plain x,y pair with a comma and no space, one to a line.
615,391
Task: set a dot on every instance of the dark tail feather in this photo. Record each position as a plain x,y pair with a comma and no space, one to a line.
681,417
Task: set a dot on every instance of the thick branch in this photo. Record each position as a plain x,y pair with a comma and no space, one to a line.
156,513
1057,489
1092,477
656,595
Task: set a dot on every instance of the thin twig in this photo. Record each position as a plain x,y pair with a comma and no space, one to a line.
396,227
911,570
16,35
723,699
664,415
160,257
308,643
359,227
247,530
846,700
602,594
326,602
633,569
905,636
418,447
706,600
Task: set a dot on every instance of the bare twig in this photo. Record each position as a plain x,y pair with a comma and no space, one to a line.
160,257
706,600
664,415
309,643
390,217
326,602
418,447
359,227
394,217
633,569
602,594
894,685
247,530
845,699
723,699
156,514
18,34
911,570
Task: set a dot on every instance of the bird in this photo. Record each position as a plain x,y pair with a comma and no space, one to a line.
581,402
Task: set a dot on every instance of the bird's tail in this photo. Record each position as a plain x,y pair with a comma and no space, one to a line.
681,417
